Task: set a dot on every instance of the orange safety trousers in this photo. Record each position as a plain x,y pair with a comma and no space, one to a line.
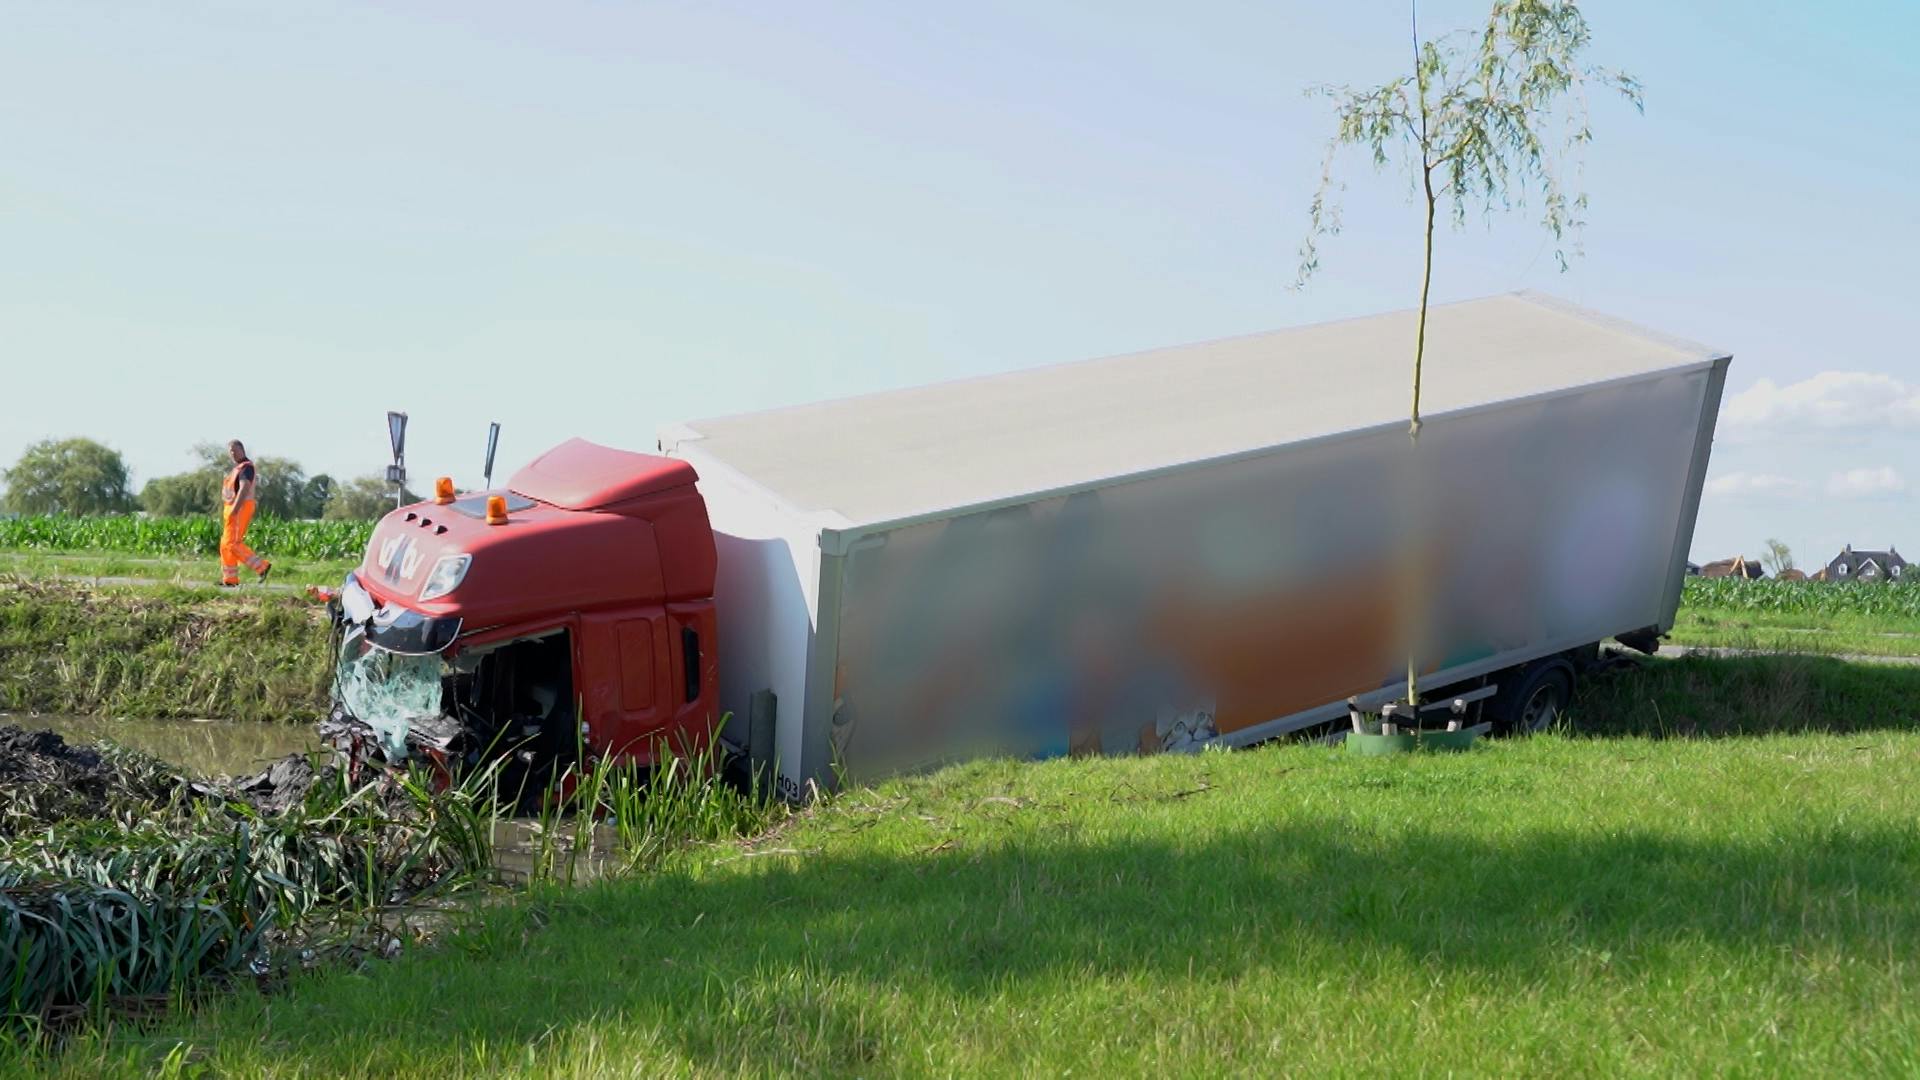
234,519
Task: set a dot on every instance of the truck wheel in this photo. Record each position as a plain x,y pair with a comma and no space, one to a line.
1535,697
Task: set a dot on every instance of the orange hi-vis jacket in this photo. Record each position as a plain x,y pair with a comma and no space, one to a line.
230,488
235,516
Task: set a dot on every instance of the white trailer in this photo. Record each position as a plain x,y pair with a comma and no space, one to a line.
1197,544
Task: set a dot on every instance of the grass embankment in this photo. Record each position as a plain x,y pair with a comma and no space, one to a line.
160,652
1565,904
1819,618
1718,696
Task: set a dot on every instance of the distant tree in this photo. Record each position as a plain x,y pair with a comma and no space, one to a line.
316,495
196,491
363,498
282,488
182,494
1479,122
213,457
69,476
1778,559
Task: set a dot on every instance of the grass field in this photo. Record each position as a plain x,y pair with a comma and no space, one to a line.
185,571
1838,633
1627,902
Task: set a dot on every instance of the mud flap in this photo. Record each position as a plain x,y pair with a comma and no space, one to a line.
1644,640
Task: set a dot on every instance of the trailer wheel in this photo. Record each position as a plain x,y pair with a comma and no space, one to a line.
1534,698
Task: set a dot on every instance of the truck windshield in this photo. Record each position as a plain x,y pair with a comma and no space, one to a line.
387,691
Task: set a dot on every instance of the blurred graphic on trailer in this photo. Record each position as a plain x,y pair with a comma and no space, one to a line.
1159,613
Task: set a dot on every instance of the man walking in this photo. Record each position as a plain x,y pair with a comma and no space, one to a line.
236,513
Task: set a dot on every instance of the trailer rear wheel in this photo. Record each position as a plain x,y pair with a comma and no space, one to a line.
1533,698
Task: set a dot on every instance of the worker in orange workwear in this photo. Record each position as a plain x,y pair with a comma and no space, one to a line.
236,513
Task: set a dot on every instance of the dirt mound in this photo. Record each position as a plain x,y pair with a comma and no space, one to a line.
30,756
44,780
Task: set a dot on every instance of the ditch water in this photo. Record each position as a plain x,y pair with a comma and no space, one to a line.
204,748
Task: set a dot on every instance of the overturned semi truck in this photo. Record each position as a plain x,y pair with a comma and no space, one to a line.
1160,551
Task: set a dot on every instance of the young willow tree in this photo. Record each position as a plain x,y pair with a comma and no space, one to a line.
1486,120
1778,559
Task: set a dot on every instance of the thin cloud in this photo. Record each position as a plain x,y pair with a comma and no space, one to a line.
1829,401
1868,483
1738,485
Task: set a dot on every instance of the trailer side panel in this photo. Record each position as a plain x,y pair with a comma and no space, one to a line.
1219,600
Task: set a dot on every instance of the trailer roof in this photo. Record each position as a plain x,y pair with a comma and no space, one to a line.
907,453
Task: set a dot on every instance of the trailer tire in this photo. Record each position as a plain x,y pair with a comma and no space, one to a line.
1535,697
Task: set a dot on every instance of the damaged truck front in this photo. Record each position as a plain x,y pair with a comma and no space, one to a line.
570,612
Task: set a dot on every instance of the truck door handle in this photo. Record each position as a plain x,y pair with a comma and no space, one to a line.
690,657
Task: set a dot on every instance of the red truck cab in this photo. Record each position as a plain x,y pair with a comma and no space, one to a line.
583,616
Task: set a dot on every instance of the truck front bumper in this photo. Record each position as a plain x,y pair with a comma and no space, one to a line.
393,627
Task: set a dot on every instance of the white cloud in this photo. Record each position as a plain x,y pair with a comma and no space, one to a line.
1735,485
1866,483
1831,400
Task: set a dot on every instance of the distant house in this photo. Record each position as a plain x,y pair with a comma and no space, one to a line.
1693,568
1851,565
1738,566
1790,574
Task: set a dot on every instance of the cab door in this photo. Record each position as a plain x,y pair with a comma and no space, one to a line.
625,657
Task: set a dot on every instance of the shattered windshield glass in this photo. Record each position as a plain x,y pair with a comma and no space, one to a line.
387,691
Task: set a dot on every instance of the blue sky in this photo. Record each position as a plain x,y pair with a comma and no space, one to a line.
279,222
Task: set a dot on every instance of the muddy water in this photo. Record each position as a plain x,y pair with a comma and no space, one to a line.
208,748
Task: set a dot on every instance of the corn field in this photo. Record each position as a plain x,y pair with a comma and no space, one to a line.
181,537
1803,597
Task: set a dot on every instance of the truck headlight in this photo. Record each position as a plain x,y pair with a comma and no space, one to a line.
447,574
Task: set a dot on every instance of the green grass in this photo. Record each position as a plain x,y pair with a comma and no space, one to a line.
1800,617
160,651
1721,696
326,540
1630,904
1798,631
177,570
